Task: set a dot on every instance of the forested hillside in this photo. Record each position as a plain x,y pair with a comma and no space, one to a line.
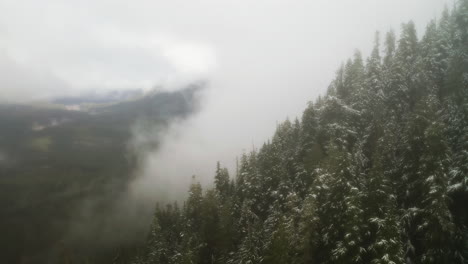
64,174
376,171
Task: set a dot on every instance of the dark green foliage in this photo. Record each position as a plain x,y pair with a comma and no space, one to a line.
375,172
65,173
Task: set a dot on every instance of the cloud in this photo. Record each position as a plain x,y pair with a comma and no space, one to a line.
190,58
264,59
19,82
72,43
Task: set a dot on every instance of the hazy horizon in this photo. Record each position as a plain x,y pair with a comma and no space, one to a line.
263,60
268,131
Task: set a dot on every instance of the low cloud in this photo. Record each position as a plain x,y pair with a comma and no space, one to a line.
264,60
20,83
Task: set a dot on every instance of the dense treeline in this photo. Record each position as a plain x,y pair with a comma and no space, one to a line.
375,172
64,176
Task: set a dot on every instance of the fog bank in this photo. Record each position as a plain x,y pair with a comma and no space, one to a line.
264,60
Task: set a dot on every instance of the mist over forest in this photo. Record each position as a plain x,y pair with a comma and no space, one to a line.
234,132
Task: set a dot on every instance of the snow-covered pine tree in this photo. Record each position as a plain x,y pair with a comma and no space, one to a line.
221,181
376,171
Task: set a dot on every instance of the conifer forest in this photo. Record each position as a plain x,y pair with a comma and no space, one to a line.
376,171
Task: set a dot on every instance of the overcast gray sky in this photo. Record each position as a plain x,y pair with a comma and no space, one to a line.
265,59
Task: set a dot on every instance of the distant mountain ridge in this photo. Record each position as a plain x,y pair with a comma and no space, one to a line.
61,171
99,98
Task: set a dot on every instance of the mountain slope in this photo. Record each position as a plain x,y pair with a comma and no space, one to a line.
375,172
60,168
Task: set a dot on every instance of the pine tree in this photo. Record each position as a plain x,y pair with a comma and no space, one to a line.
222,181
211,232
437,225
251,247
341,211
382,229
156,246
375,172
337,87
279,239
355,77
192,238
390,47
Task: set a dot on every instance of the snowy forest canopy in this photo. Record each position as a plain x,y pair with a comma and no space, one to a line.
376,171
